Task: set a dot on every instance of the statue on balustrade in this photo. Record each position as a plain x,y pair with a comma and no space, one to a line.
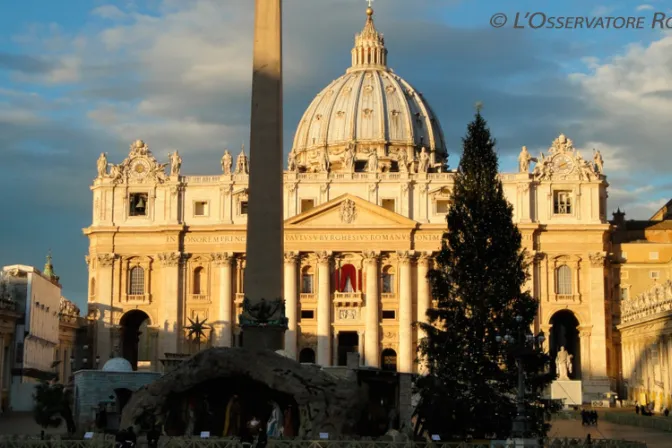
102,165
402,161
175,164
524,160
291,161
423,166
227,162
349,159
563,364
242,163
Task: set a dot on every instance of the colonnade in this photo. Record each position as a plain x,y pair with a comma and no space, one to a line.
646,363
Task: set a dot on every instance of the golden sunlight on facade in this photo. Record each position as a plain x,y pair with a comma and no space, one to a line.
643,279
366,193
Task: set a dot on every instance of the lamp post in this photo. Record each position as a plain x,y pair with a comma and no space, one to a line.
524,344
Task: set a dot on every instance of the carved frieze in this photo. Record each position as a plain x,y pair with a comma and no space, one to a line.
369,256
323,256
597,259
308,340
222,258
291,257
106,260
169,259
348,211
405,257
425,258
656,300
350,314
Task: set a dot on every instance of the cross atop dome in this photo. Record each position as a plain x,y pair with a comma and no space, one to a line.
369,51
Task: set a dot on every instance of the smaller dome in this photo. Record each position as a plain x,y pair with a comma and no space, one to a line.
117,365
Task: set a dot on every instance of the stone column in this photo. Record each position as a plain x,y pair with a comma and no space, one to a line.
323,309
598,347
360,346
424,296
223,261
169,305
291,302
334,352
406,357
105,305
372,339
265,232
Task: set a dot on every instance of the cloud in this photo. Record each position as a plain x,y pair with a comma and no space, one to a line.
645,8
177,74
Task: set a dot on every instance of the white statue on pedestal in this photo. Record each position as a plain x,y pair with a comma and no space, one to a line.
563,364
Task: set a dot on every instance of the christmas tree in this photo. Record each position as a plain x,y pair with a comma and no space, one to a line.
478,284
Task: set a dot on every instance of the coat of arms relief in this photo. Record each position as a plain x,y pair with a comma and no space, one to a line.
348,212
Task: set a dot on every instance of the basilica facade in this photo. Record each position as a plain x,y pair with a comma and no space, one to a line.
366,190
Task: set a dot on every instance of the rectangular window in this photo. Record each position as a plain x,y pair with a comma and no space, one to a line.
389,204
655,275
653,255
442,206
562,203
137,203
389,314
307,204
307,314
307,284
243,208
201,208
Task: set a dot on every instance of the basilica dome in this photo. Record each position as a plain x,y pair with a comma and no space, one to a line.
369,108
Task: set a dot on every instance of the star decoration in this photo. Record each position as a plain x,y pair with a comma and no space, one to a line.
197,327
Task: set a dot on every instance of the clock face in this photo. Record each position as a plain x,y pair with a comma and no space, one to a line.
139,168
562,164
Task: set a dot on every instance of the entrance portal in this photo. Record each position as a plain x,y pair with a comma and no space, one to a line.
135,341
565,333
348,342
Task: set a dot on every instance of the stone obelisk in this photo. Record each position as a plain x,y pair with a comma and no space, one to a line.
263,322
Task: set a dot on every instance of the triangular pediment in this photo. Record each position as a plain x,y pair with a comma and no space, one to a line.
349,211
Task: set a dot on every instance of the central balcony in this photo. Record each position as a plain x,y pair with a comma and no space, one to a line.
348,298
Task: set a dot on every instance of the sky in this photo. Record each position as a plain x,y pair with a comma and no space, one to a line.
81,77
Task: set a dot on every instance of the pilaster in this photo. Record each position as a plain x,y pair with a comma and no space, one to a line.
291,302
598,347
105,304
169,309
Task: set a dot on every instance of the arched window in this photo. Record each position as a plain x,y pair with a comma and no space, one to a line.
388,280
92,288
198,280
307,280
563,280
389,358
136,284
307,355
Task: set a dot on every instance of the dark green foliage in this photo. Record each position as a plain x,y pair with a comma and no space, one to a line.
48,404
478,282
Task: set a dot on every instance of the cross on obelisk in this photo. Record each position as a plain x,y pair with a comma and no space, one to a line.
263,320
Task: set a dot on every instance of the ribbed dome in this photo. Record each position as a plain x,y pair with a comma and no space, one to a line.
372,108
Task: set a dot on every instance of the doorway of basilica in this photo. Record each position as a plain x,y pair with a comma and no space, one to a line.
565,333
348,342
137,339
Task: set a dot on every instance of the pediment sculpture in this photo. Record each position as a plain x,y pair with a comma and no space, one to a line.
562,161
139,167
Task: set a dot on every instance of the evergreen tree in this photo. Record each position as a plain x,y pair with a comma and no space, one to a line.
48,399
478,283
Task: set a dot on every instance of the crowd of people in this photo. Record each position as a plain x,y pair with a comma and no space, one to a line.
588,418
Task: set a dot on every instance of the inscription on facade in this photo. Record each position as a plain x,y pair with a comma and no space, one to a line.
428,237
213,239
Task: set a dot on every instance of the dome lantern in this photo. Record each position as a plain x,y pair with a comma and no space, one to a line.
369,51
